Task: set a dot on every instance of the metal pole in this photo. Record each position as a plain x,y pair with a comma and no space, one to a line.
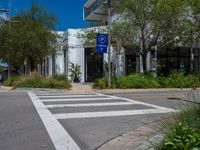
9,64
109,43
118,65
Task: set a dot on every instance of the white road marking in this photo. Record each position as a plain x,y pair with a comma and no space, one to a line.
56,93
76,99
54,96
59,136
111,113
89,104
135,101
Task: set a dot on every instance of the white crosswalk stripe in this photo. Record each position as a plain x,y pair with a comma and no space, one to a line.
89,104
74,103
58,96
77,99
111,113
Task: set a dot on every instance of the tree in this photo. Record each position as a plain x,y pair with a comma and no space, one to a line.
8,47
31,37
190,26
149,24
88,35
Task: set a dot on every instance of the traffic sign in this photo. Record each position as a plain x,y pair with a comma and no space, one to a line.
101,43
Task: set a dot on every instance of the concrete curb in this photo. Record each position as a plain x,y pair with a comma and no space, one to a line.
7,88
104,91
79,91
39,89
142,138
47,89
118,91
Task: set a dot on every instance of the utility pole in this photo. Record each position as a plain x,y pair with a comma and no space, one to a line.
109,42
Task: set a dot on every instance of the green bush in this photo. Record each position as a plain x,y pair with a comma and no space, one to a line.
37,81
60,77
100,83
185,133
10,82
175,80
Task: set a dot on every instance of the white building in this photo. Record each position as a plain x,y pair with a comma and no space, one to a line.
168,59
71,49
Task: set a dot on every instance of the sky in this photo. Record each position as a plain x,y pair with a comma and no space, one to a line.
68,12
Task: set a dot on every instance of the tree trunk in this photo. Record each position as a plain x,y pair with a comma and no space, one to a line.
155,62
148,64
32,66
141,63
191,60
9,71
144,61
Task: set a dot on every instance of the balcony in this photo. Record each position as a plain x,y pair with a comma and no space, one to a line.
94,10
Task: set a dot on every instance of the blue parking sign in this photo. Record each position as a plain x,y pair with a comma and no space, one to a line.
101,43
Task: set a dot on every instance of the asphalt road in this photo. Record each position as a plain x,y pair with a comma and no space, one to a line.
20,126
57,120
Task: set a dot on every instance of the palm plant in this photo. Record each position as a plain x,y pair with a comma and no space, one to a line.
75,73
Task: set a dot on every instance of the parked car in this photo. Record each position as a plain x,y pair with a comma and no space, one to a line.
4,74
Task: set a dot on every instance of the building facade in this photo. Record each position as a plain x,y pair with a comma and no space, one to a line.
125,60
71,49
167,60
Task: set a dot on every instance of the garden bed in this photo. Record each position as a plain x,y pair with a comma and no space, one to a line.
183,132
141,81
37,81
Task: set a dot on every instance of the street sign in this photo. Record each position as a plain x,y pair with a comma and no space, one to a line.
101,43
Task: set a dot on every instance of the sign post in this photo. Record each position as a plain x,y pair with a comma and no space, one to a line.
101,43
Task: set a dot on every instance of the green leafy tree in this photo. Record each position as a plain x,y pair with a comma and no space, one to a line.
30,38
190,26
88,35
148,24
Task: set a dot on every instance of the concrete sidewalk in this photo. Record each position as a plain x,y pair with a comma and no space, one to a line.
115,91
87,87
143,138
80,87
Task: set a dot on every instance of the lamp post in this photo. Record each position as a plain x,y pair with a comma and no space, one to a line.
109,42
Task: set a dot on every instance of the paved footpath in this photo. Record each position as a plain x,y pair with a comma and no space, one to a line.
87,121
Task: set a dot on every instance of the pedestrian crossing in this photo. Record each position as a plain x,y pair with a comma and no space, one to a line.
89,100
55,106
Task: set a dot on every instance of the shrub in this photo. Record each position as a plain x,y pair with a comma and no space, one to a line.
60,77
10,82
75,73
100,83
175,80
37,81
185,133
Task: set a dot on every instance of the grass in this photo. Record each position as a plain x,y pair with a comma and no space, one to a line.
37,81
141,81
183,133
